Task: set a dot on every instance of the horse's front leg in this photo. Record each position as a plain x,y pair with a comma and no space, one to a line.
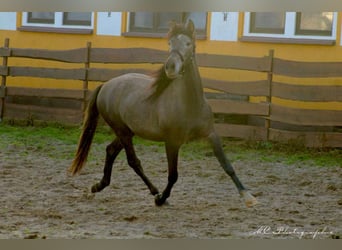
135,164
250,200
172,159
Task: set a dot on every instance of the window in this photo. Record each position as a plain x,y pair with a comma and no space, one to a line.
267,22
290,27
77,18
54,21
151,24
41,17
317,23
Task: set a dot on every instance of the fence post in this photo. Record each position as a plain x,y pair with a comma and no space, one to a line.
3,79
269,97
85,82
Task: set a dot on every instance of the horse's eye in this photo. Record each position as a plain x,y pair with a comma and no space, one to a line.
188,44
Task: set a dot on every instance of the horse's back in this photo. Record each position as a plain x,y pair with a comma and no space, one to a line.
122,101
127,88
129,81
124,85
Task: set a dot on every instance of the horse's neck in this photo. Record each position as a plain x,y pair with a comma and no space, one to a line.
192,86
184,95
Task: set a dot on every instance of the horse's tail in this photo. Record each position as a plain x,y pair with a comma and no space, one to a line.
88,131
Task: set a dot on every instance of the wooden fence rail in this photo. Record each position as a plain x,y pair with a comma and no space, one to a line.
315,128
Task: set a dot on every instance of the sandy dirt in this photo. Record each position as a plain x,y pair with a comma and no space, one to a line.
38,200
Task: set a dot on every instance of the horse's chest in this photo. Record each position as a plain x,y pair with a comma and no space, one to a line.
185,125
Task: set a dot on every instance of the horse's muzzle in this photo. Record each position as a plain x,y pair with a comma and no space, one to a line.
174,65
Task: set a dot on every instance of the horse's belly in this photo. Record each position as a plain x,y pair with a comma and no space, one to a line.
143,124
148,134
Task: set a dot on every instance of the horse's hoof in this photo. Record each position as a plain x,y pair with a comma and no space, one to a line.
96,188
250,200
154,191
158,199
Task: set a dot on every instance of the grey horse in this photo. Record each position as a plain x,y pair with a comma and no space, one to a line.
169,107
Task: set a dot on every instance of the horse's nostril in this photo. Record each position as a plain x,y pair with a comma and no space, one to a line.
173,66
170,66
171,69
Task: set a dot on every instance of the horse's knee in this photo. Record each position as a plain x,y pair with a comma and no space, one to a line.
134,162
114,148
110,149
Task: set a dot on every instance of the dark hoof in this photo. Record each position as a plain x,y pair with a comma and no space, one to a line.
154,191
97,188
159,200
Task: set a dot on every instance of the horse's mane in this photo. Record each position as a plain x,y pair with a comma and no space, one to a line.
162,81
160,84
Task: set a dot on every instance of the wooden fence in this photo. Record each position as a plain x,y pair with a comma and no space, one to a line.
315,128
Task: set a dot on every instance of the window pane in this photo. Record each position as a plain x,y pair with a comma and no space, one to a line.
41,17
267,22
165,18
158,22
77,18
315,23
142,20
199,19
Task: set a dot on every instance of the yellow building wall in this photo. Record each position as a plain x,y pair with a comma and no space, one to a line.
58,41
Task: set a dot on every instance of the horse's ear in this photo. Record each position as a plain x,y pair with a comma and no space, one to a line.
172,24
190,26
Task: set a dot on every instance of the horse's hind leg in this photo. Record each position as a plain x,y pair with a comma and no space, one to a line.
112,152
134,162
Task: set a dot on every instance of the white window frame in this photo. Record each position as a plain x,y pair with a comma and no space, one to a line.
290,29
58,22
130,32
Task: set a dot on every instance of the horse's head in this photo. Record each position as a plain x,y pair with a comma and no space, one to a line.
181,47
